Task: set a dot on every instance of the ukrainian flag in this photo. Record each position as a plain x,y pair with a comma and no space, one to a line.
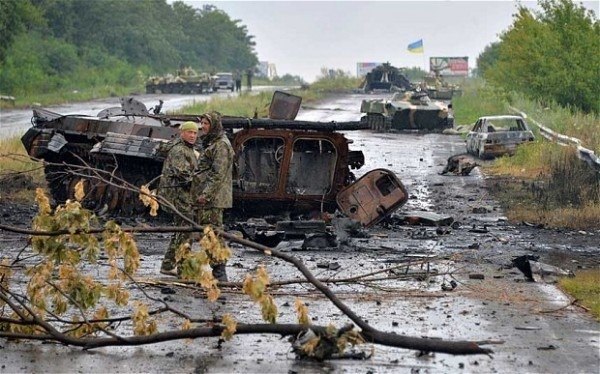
416,47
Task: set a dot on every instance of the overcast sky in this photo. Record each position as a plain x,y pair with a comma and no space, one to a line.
301,37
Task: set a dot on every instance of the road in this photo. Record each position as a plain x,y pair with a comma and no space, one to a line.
532,325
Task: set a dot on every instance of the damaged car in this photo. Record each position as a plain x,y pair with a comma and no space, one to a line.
494,136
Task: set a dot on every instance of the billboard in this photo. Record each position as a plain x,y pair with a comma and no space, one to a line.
362,68
449,66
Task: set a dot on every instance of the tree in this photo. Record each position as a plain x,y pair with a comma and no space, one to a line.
488,58
16,16
550,55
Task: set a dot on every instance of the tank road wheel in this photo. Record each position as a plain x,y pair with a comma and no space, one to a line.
376,122
57,179
128,202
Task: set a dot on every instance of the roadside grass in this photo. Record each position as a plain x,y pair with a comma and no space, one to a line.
341,83
567,121
246,104
68,96
478,99
18,172
585,287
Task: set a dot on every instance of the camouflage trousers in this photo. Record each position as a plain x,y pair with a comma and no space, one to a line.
177,240
209,216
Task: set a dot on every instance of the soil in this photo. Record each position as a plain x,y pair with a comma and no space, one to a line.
534,324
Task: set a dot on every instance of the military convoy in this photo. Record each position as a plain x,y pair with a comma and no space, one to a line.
186,81
280,164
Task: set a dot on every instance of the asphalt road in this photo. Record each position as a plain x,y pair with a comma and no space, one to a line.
532,326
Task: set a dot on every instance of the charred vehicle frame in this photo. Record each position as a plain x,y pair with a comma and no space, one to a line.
280,164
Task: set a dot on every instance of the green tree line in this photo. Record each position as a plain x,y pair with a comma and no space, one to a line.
54,45
550,55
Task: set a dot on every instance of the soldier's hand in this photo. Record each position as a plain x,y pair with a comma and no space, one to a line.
201,200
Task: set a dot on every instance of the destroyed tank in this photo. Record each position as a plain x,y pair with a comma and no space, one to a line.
281,165
186,81
407,111
385,77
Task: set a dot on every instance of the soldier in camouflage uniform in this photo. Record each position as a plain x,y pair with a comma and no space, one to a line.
212,185
176,187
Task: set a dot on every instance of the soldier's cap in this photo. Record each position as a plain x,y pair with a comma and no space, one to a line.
189,126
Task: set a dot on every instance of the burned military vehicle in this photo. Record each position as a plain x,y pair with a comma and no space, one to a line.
387,78
280,164
186,81
407,111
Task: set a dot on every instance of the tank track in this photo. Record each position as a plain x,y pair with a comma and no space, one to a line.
103,197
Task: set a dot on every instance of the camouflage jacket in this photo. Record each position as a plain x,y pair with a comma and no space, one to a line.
177,175
214,173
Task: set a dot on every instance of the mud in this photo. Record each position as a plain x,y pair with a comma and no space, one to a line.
536,327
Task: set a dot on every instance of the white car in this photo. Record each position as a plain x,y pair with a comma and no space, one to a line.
224,81
494,136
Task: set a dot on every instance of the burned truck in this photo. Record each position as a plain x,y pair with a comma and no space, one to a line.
281,165
407,111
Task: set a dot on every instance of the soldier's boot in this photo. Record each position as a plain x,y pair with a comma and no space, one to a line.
219,272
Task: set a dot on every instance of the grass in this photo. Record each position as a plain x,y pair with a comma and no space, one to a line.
477,100
257,104
16,165
585,287
72,96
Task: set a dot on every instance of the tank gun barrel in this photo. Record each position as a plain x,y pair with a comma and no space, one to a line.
267,123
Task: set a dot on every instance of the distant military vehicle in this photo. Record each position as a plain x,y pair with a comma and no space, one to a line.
407,111
280,164
438,88
385,77
187,81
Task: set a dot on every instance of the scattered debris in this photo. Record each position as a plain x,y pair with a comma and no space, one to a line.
321,240
480,230
536,271
449,286
461,164
549,347
528,328
476,276
329,265
422,218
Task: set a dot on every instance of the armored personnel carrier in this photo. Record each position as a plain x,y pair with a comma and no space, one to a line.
186,81
387,78
438,88
407,111
280,164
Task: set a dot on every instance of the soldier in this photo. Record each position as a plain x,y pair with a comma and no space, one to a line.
238,81
212,185
249,74
176,187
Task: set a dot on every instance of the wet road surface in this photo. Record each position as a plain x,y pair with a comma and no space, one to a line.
535,327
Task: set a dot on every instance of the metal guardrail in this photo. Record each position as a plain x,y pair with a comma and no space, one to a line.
584,154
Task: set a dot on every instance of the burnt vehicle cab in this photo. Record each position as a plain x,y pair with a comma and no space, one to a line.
280,169
494,136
